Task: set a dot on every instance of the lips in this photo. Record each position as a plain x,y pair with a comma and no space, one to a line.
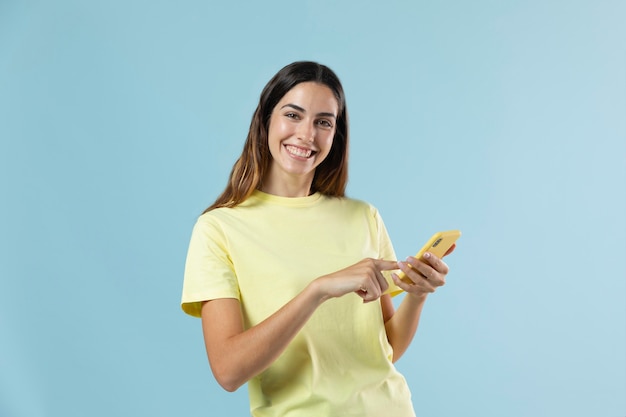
299,152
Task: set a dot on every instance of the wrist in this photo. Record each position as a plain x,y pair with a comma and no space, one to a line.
417,297
317,292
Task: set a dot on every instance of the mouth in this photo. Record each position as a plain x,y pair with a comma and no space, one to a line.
300,152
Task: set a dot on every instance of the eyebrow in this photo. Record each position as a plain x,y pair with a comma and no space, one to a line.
300,109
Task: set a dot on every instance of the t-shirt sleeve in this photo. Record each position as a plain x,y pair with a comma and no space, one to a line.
386,251
209,272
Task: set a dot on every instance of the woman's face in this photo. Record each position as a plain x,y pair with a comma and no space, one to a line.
301,131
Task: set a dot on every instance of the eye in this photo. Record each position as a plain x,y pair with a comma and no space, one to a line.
325,123
292,115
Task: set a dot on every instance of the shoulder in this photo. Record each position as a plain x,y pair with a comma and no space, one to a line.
355,204
221,215
353,208
220,221
212,222
209,219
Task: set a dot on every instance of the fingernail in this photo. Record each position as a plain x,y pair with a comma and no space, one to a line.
427,255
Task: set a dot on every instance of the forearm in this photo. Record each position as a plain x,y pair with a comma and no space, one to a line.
246,353
236,355
402,326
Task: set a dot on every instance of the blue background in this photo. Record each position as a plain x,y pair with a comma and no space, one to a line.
120,121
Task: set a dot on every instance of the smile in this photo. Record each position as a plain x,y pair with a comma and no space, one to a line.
299,152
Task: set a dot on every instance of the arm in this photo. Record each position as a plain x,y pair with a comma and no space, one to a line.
401,325
236,355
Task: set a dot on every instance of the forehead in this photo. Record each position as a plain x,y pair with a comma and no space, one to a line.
311,95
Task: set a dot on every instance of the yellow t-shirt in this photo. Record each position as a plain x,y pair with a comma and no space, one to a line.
266,251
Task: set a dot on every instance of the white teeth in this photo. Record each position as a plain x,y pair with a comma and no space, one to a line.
304,153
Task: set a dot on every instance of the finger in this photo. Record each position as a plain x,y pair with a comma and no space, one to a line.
449,251
426,272
382,282
385,265
369,294
411,272
423,286
419,279
362,291
379,281
368,285
436,263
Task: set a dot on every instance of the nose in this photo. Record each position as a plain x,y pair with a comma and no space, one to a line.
306,132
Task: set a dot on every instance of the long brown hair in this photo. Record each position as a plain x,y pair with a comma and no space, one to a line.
331,176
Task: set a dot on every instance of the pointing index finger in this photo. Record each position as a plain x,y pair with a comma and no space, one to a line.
385,265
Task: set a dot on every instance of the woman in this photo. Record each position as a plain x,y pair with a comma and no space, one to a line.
291,278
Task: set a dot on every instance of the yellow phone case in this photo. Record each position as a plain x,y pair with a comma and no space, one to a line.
438,245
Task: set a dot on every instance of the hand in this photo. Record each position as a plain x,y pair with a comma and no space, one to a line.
426,276
363,278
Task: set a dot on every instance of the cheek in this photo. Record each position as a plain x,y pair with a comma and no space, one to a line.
327,142
274,136
279,130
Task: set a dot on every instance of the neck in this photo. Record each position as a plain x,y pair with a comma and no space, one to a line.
287,185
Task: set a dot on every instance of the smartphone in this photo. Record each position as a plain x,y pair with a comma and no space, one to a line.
438,245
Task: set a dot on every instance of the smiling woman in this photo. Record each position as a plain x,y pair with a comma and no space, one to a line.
255,161
291,278
300,137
